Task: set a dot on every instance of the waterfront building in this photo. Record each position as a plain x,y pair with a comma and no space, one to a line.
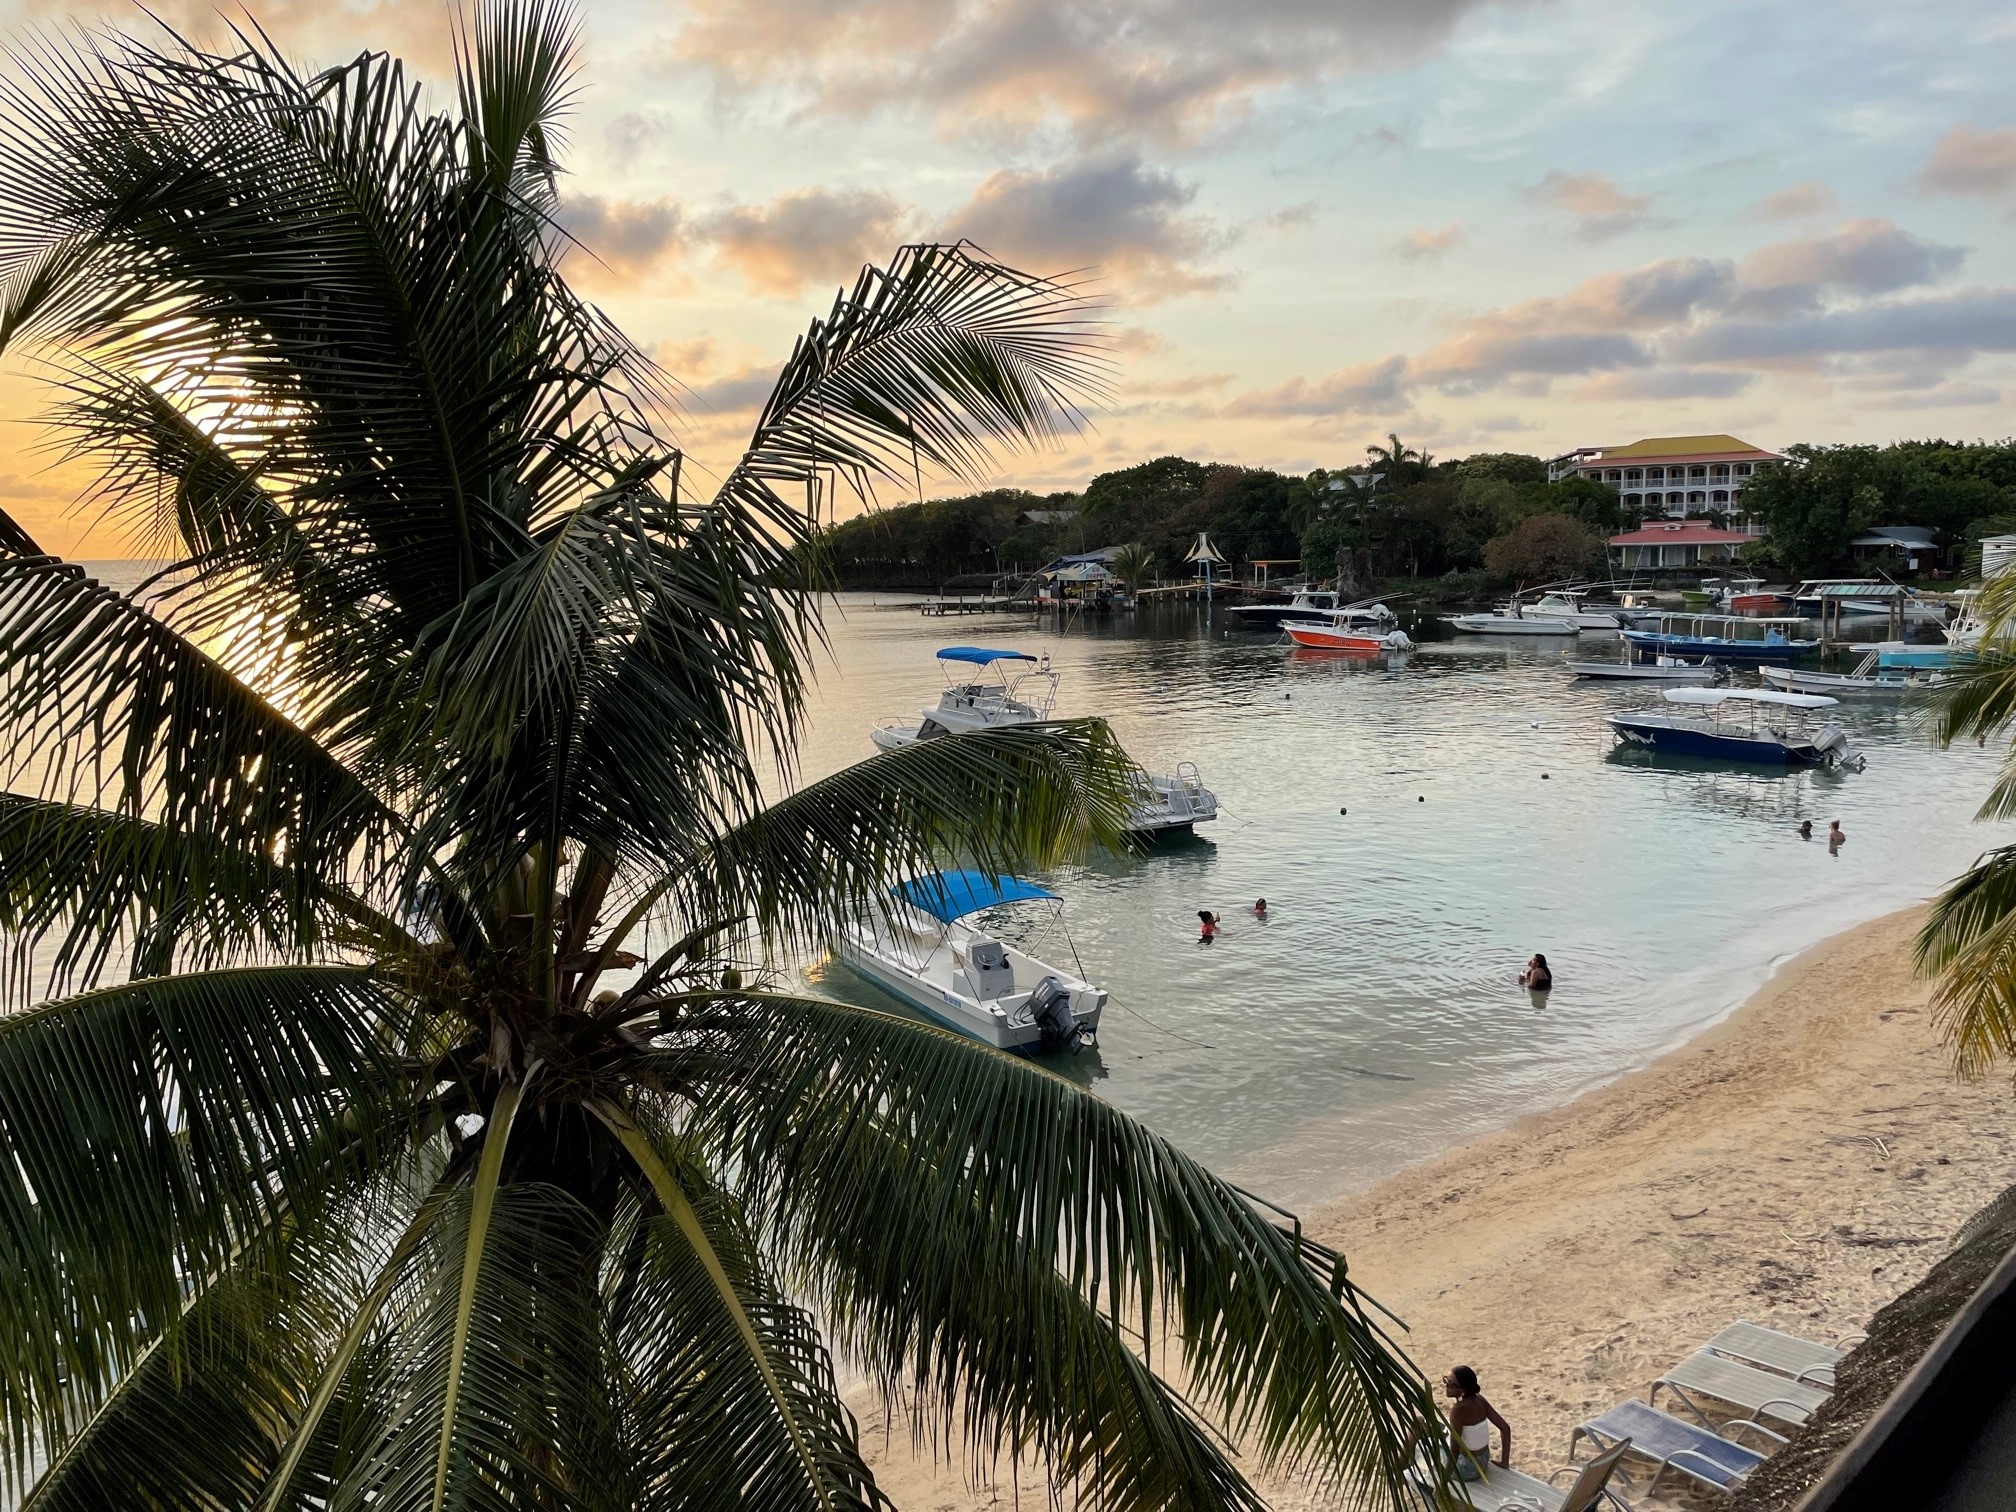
1666,545
1672,476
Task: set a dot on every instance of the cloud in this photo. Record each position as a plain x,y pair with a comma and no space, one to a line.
1946,396
1600,209
1870,256
626,238
1371,388
1479,358
1113,214
1427,244
1963,322
734,393
1968,160
810,236
1667,383
1164,67
1795,203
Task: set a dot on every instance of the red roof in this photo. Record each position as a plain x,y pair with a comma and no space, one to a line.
1681,533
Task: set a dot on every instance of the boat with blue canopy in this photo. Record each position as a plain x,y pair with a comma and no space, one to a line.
921,947
1709,724
1694,636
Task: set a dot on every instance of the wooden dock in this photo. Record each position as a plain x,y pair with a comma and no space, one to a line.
943,606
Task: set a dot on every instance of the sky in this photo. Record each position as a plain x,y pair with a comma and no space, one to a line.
1525,225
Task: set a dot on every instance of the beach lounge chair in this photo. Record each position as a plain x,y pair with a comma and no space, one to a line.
1757,1392
1750,1343
1707,1459
1504,1490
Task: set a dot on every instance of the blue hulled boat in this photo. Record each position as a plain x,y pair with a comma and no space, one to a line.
1702,729
1700,635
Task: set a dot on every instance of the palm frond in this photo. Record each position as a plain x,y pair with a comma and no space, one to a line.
1979,702
115,709
152,1129
731,1393
1275,1341
1003,800
96,881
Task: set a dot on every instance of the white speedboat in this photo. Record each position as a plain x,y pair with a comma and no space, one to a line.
1307,603
1514,619
1666,669
920,947
1568,604
1162,801
1022,690
1870,677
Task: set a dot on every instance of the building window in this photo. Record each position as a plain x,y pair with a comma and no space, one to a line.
1613,476
1655,475
1742,469
1634,501
1721,496
1634,475
1698,496
1697,472
1719,470
1676,498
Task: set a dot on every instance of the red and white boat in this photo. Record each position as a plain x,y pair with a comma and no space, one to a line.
1367,629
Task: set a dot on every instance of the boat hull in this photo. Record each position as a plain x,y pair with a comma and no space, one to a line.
1325,638
1760,603
1653,643
1506,624
1610,671
1267,616
955,1011
1667,737
1842,684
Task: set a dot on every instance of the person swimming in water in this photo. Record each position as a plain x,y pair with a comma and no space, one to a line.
1260,908
1537,977
1207,926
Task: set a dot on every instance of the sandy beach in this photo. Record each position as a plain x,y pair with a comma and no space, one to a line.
1798,1165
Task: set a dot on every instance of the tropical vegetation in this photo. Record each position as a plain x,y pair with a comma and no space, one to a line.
402,1102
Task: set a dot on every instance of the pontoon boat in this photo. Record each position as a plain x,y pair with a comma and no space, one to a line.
921,948
1718,635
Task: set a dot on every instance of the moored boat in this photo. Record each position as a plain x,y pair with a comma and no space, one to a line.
1666,669
1695,636
1023,690
1571,604
1513,619
1308,603
1366,629
920,947
1870,677
1704,727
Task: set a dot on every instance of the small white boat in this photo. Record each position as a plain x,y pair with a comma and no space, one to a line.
1568,604
1870,677
1666,669
1514,619
1166,801
1307,603
920,947
1023,690
1368,629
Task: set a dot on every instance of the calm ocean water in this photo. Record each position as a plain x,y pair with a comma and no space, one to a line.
1374,1018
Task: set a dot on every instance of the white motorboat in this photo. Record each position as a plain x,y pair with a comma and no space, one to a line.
1162,801
1514,619
1023,690
1870,677
920,947
1666,669
1567,603
1307,603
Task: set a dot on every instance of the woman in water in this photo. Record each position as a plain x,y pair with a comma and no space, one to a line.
1207,926
1471,1419
1536,977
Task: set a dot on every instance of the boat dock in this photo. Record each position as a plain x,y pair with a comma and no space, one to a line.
939,607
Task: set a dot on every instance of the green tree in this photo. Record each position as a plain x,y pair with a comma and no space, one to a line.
348,1174
1146,494
1546,548
1504,467
1133,564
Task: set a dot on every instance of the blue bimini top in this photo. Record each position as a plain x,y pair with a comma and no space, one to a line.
980,656
953,895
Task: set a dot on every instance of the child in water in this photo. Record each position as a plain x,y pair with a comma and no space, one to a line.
1207,926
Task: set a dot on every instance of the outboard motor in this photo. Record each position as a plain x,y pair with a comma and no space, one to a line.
1050,1007
1398,640
1833,743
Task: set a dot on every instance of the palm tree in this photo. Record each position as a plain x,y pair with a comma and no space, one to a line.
1969,939
346,1173
1401,464
1132,564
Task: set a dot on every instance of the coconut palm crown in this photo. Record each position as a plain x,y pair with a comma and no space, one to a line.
398,1109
